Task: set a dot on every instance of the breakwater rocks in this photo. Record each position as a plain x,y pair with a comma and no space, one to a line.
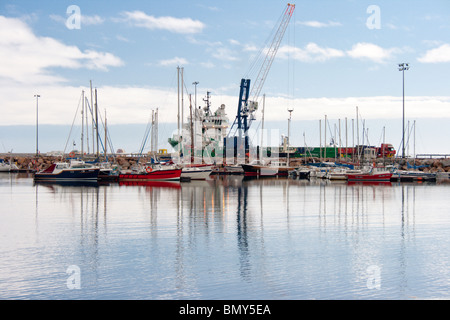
31,163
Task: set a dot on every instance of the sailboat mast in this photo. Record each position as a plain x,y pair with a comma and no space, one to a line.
320,140
92,105
96,121
325,139
106,137
182,100
178,101
82,123
192,129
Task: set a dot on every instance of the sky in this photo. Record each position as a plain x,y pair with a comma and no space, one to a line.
336,57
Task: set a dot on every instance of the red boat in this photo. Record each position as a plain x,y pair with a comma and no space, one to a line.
378,177
152,175
152,184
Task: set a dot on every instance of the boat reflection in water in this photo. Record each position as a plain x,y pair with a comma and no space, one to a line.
231,237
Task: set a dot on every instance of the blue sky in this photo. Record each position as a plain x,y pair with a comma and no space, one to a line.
335,55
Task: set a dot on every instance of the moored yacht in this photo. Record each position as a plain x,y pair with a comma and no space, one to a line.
68,171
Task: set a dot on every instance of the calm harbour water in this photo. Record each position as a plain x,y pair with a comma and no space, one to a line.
227,238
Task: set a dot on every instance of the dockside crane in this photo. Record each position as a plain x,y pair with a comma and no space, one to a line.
238,134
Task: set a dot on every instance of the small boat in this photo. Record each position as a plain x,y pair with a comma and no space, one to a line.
413,175
7,167
232,169
340,173
261,168
336,174
152,172
443,175
74,170
301,173
108,172
196,171
370,175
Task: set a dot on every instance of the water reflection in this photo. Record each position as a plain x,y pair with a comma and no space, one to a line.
257,238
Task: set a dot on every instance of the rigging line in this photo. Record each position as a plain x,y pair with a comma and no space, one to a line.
293,59
260,55
144,139
73,121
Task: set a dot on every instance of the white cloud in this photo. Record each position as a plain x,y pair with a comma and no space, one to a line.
310,53
436,55
207,64
173,62
172,24
85,19
91,20
58,104
223,54
317,24
372,52
26,57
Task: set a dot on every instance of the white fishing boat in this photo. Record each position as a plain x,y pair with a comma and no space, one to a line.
7,167
196,171
336,174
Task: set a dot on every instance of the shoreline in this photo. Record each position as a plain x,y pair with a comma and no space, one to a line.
29,163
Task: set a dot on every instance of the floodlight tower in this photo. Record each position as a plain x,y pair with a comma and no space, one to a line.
37,96
402,67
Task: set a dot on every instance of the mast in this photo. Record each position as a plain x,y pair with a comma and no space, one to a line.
182,100
192,130
262,127
92,106
157,129
325,139
106,137
346,139
320,140
178,116
82,124
357,133
86,102
96,122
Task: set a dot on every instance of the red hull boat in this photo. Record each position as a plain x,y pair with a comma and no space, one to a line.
154,175
370,177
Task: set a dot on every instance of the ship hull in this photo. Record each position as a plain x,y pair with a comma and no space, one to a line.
69,175
156,175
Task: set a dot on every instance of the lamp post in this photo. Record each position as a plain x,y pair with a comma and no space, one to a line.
37,123
195,84
402,67
289,133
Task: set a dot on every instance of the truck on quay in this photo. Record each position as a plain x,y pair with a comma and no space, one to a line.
385,150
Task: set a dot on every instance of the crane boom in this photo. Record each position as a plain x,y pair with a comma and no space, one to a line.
271,52
246,107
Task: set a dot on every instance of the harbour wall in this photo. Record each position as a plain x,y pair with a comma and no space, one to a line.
28,162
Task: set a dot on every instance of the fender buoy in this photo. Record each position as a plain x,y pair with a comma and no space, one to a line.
148,169
72,154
